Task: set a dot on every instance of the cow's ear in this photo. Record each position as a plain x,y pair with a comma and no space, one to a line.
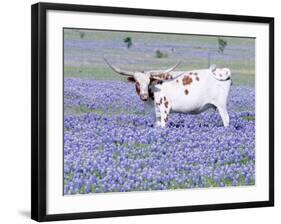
131,79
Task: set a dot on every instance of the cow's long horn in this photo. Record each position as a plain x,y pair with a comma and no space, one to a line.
118,70
165,71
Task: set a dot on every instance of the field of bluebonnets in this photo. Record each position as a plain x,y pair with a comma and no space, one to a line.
110,142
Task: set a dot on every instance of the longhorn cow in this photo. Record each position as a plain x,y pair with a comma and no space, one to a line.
189,92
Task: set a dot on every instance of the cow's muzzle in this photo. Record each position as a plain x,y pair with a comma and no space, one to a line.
144,96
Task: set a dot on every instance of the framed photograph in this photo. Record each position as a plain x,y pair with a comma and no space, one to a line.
139,111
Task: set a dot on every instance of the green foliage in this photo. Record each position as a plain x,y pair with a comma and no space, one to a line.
128,41
221,45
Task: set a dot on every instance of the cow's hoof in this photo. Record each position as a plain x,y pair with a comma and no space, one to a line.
157,124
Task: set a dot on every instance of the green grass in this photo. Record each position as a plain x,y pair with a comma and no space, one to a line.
108,112
99,35
88,62
239,76
210,182
98,72
249,118
81,110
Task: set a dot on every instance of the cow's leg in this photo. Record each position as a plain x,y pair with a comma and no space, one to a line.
157,116
164,112
224,115
164,118
162,115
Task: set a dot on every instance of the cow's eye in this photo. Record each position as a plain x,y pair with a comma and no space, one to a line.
131,79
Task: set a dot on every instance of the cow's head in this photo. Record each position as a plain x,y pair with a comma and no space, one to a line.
142,79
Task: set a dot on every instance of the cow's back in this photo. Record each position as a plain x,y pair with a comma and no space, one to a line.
194,91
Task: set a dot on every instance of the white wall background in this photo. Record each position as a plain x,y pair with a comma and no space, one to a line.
15,110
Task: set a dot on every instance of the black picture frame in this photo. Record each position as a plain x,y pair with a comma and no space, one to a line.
39,116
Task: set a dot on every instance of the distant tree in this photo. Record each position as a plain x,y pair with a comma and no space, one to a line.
128,41
221,45
81,34
160,54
